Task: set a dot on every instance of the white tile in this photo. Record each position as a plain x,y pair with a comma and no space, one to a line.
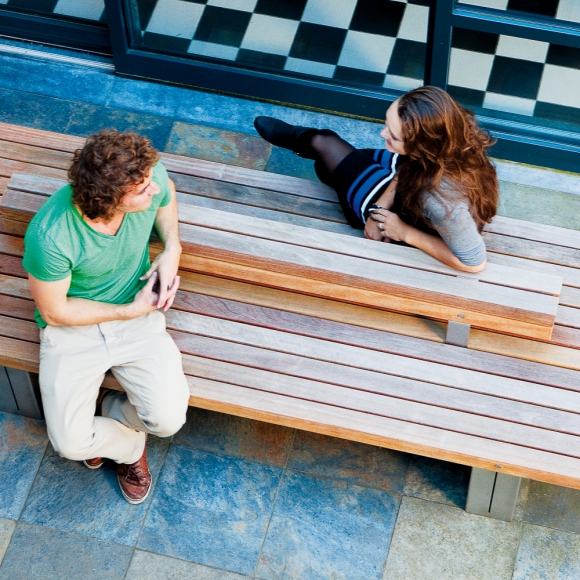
522,48
245,5
497,4
269,34
366,51
569,10
509,104
309,67
469,69
336,13
401,83
89,9
3,1
175,18
560,85
414,23
212,49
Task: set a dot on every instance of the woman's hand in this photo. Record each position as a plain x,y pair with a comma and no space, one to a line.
388,225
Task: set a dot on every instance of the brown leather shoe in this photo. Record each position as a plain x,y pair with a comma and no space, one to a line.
94,463
135,479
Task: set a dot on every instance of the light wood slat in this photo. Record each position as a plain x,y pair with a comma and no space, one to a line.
3,185
570,297
268,214
570,276
340,354
534,231
10,166
17,287
362,248
11,245
307,320
19,354
393,434
445,298
179,164
568,316
35,155
389,395
40,138
539,251
19,329
306,237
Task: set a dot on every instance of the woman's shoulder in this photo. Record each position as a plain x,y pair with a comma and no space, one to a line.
447,199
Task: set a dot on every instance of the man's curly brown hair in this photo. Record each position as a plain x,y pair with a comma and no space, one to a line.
107,166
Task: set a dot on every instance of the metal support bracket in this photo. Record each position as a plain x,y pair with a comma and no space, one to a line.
457,333
492,494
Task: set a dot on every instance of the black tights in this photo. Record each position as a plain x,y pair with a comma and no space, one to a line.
328,148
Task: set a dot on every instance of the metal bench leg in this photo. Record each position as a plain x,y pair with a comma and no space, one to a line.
19,393
457,333
492,494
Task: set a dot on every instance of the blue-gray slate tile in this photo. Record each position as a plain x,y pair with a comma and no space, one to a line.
38,111
546,554
327,529
211,509
148,566
22,445
6,531
355,462
93,118
69,497
553,506
286,162
41,553
218,145
72,82
236,437
438,481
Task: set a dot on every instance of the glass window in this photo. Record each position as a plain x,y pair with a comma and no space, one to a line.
84,10
568,10
361,43
499,74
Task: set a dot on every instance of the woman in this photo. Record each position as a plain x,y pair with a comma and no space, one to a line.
432,187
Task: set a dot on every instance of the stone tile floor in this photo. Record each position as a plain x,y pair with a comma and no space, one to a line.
236,498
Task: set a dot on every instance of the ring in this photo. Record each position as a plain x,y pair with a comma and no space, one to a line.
381,226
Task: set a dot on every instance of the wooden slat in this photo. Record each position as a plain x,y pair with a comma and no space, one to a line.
19,329
11,265
10,166
17,287
534,231
16,307
568,316
40,138
19,354
35,155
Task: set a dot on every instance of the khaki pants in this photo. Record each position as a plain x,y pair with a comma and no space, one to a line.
145,361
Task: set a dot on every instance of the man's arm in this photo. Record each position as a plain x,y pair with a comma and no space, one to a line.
166,263
57,309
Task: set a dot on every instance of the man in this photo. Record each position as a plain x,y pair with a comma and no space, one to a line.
99,303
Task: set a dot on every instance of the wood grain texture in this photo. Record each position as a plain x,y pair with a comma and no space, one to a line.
10,166
12,286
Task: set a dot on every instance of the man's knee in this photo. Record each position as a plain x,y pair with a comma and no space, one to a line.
166,420
75,448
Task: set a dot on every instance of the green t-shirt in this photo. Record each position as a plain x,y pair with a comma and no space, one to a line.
104,268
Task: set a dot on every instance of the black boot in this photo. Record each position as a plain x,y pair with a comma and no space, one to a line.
283,134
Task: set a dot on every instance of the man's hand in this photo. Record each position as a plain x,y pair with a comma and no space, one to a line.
146,299
165,266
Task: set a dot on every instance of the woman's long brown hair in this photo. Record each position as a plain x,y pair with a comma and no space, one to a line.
443,142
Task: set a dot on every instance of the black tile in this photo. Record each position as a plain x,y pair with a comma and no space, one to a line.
38,111
318,43
474,40
408,59
89,119
222,26
539,7
34,6
145,8
165,42
518,78
420,2
557,113
378,17
291,9
262,59
563,56
467,97
357,76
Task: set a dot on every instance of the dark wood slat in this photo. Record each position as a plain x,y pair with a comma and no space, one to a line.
12,266
16,307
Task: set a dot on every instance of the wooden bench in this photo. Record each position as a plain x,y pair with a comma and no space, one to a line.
506,405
